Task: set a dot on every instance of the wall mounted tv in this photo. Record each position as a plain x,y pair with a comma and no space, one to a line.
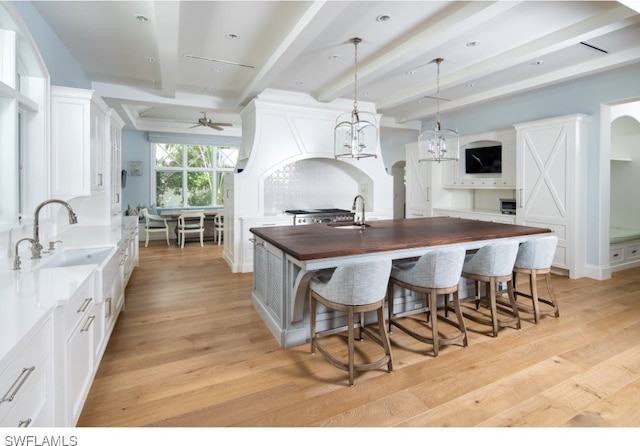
483,159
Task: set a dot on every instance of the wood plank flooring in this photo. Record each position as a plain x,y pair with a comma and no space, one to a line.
190,350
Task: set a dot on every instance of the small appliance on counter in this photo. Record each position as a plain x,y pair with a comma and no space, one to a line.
508,206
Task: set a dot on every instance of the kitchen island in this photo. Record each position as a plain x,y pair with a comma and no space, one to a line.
287,257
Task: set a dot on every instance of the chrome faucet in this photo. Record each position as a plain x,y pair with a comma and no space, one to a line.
16,258
36,247
353,209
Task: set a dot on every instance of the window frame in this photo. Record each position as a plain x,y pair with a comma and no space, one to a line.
185,169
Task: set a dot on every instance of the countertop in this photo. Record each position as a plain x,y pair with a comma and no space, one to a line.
29,295
309,242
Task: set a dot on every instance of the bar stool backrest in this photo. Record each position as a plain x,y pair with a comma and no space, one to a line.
494,259
357,283
440,268
537,253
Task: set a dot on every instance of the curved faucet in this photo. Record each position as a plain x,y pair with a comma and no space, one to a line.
36,247
353,209
16,258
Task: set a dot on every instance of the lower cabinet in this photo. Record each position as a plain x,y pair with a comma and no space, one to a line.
74,353
26,384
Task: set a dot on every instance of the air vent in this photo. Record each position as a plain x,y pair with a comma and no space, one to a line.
594,48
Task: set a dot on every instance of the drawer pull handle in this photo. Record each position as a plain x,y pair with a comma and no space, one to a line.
17,384
84,305
88,324
634,251
25,423
616,255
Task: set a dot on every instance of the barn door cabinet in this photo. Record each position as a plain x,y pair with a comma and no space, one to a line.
80,142
551,184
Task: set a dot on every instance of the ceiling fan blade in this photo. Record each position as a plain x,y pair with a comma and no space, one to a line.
218,125
194,126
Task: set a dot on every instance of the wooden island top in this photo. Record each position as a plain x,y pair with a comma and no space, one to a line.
310,242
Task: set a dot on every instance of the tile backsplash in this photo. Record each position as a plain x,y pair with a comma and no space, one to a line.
311,184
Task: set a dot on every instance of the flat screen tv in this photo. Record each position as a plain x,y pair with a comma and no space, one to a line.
483,159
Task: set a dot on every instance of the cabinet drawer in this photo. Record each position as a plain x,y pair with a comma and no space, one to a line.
18,377
33,406
616,255
78,306
632,252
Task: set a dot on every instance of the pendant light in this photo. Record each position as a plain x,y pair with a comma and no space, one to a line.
355,133
438,145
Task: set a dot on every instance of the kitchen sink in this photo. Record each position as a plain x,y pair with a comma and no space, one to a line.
75,257
348,225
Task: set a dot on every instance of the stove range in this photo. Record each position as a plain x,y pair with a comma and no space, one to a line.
319,216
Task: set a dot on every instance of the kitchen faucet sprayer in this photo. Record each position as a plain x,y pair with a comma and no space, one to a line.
353,208
36,247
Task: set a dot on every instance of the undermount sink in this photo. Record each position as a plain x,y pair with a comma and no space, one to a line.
75,257
348,225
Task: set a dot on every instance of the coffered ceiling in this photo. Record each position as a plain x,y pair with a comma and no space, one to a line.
160,64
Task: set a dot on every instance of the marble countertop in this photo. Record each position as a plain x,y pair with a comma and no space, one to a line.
29,295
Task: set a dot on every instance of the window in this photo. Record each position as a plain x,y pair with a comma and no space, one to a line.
191,175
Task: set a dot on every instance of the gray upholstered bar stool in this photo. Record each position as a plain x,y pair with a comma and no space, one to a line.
493,264
534,259
436,273
355,288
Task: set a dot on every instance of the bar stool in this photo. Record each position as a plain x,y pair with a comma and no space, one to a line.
493,264
534,260
353,288
434,273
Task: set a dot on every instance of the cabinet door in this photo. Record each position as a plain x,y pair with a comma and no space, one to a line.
418,184
551,161
98,147
70,141
79,366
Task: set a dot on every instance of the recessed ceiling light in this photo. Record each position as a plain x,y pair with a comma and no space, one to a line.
142,18
470,84
217,70
410,72
335,57
537,62
150,59
300,83
472,44
383,18
232,36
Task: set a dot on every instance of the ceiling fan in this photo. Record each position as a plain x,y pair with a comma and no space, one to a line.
206,122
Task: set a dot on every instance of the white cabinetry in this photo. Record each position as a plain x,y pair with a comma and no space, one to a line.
79,140
26,383
454,175
476,215
116,124
74,366
247,237
551,184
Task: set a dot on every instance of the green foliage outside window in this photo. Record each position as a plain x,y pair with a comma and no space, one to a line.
186,175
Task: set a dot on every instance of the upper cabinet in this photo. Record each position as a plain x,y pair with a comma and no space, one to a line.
80,137
116,124
487,160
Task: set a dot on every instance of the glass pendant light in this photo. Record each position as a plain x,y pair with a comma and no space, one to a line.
438,145
355,133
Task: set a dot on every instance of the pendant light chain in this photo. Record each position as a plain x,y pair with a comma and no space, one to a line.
438,61
356,41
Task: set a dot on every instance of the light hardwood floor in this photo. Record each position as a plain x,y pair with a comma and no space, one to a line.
189,350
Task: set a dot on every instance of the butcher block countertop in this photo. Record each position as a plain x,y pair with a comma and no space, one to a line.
309,242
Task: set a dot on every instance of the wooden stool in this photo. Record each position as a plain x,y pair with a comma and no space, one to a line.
354,288
534,260
435,273
493,264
